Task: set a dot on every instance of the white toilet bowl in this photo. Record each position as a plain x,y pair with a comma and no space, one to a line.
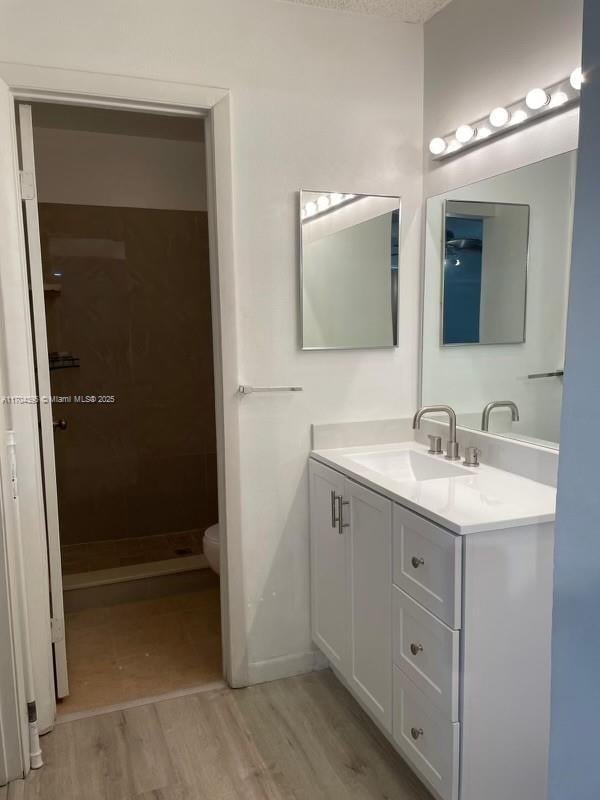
212,548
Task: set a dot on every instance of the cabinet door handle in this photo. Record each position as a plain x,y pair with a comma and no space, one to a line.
415,649
334,519
340,515
417,562
416,733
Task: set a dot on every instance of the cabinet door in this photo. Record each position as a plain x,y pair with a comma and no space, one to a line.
329,567
370,537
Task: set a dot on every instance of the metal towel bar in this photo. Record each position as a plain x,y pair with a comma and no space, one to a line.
558,374
245,389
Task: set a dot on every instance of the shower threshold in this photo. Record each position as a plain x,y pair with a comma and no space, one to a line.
133,572
133,582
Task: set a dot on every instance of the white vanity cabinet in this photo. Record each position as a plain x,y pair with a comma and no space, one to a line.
351,577
442,637
329,568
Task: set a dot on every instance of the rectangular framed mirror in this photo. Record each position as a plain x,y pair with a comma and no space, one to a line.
484,272
512,235
349,252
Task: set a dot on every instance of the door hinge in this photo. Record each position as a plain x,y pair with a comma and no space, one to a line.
27,185
57,629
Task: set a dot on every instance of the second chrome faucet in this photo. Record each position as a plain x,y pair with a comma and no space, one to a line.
451,444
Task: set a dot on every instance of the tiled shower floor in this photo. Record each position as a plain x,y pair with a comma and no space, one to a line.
121,653
124,552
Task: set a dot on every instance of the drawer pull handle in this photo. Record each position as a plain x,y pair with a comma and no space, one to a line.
417,562
416,733
415,649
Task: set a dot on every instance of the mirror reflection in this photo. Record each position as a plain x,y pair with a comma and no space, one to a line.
511,293
349,270
484,272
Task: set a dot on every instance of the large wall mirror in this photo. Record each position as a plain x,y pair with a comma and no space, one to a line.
349,270
497,264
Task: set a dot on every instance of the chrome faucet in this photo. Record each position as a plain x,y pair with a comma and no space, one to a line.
451,444
485,417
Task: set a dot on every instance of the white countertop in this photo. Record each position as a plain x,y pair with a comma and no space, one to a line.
482,499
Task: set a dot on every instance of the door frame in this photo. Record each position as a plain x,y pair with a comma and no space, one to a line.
45,84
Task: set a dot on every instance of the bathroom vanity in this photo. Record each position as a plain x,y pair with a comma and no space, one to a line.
431,593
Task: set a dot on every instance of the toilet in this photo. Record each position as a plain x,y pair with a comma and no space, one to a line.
211,547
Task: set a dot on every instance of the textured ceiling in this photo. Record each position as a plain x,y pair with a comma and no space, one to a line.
405,10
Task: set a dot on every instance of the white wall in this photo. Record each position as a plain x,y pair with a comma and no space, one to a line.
319,98
110,169
468,377
482,53
503,273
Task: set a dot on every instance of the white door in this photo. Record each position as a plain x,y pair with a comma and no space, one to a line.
14,750
329,566
30,213
370,538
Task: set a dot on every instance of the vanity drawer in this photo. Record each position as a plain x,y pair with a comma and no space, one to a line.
427,739
427,651
427,565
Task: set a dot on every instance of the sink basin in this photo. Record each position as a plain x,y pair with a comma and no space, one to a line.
408,465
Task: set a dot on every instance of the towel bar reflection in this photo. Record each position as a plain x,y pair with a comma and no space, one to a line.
245,389
558,374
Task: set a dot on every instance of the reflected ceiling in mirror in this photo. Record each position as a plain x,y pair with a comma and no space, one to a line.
349,270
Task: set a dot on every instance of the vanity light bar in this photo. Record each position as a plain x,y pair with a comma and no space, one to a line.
325,202
538,103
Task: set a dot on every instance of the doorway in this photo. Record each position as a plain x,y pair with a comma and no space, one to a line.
128,358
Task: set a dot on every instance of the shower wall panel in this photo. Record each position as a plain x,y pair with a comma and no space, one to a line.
128,300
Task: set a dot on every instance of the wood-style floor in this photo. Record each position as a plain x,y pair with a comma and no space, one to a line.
297,739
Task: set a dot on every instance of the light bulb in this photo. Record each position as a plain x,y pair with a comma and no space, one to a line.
322,202
536,99
437,146
499,117
576,78
464,133
558,99
336,198
518,117
310,208
483,133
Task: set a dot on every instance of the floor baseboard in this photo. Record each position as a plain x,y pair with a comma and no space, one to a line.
274,669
